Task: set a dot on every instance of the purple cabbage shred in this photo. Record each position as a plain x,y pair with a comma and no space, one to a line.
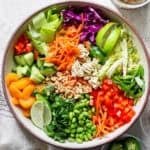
93,21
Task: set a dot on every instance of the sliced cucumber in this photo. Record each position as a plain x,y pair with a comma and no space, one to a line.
29,58
22,71
19,59
40,63
36,76
25,59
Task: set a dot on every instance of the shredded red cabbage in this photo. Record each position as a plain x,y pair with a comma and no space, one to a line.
93,21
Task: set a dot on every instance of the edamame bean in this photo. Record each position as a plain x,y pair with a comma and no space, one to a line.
81,122
85,114
78,140
88,121
81,116
71,114
72,135
76,111
89,136
79,129
73,131
93,128
73,126
74,120
89,124
85,109
85,138
71,139
67,130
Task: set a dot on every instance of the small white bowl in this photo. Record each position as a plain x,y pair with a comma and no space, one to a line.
106,146
122,4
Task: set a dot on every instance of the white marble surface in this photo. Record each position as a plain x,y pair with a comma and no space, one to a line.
12,13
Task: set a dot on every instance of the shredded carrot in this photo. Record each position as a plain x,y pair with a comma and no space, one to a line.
101,118
64,49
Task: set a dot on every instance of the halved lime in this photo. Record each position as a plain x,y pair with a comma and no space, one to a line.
41,114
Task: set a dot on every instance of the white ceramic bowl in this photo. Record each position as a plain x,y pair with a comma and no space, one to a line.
122,4
26,123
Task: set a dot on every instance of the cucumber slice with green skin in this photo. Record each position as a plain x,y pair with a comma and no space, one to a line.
19,59
112,40
40,63
22,71
25,59
29,58
131,143
103,33
36,76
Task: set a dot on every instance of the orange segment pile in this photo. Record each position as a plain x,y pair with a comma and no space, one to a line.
21,92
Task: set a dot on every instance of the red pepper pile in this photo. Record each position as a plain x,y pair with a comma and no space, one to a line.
110,99
23,45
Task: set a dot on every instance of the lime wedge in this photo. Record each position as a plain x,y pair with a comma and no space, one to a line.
41,114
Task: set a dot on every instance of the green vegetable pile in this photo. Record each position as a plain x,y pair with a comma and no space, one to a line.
132,83
43,29
81,126
70,119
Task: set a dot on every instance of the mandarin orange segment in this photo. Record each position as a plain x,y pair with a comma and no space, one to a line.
27,103
15,92
27,91
11,77
22,83
15,101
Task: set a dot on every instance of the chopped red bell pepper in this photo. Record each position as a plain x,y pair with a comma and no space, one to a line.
118,107
23,45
